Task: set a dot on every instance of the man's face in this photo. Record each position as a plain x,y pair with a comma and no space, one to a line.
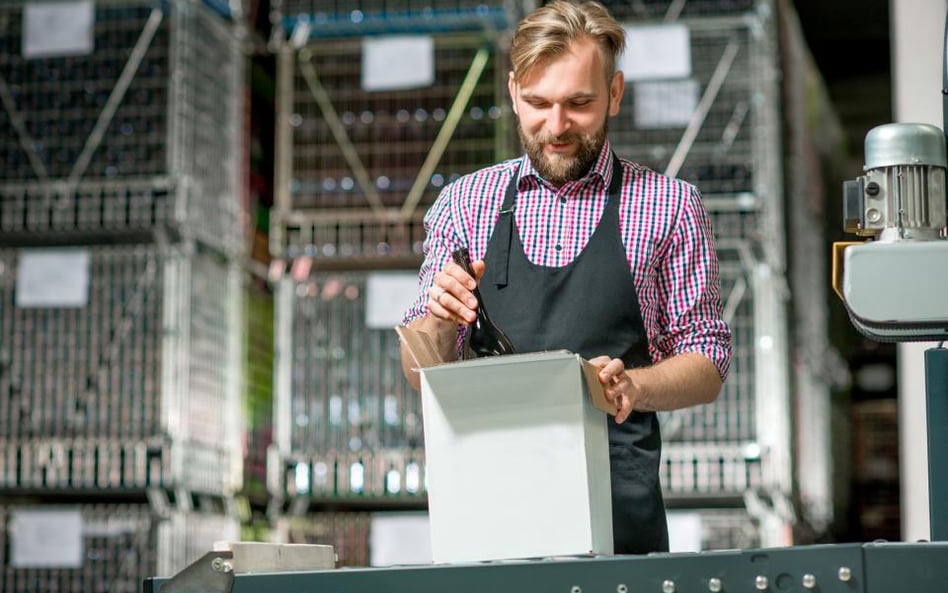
563,106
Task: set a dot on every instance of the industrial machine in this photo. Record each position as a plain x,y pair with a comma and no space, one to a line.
890,283
893,284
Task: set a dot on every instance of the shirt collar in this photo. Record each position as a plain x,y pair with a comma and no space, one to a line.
601,170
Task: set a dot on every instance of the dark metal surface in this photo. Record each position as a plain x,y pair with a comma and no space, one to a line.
936,381
210,574
849,568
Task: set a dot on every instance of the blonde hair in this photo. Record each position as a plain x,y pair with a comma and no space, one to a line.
549,30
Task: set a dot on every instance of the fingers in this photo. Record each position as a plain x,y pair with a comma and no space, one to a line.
610,368
450,296
617,386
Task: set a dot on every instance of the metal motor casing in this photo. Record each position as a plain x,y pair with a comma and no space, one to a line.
902,195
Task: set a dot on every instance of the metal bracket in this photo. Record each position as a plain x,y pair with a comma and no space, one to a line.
212,573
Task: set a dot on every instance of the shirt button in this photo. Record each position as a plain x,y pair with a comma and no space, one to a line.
559,247
562,200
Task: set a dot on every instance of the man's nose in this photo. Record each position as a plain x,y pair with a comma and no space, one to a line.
558,121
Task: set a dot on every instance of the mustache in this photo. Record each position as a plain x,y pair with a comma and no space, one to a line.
551,139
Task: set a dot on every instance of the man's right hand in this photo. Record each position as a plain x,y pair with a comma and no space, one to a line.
451,296
450,302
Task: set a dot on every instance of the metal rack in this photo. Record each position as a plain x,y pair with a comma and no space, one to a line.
135,388
141,133
347,424
671,10
342,192
333,19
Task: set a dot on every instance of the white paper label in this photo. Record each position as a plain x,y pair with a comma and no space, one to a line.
46,538
52,29
397,63
684,531
656,52
52,278
399,538
388,296
665,103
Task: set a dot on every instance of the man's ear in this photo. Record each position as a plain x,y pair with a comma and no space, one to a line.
616,90
512,89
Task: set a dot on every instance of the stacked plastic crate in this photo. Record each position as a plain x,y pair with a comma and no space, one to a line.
120,290
380,105
702,104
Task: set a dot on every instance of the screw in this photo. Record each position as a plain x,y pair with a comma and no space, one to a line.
873,188
668,586
761,583
714,585
809,581
845,573
219,565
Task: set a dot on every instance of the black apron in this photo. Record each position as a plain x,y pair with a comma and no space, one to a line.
589,307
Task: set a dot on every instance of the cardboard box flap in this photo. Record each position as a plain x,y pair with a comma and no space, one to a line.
420,346
596,394
423,351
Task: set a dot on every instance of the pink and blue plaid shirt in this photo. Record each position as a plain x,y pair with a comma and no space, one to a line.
665,229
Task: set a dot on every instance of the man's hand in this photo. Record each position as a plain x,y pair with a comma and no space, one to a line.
618,386
681,381
450,302
451,296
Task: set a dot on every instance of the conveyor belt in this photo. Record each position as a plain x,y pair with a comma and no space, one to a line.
845,568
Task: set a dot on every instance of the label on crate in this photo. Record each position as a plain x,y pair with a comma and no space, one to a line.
399,539
388,295
52,278
53,29
656,52
397,63
46,538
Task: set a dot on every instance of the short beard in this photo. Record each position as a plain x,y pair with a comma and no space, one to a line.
559,169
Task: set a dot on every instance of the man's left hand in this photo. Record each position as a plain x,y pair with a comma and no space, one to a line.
617,385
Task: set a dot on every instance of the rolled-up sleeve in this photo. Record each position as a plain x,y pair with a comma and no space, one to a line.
688,283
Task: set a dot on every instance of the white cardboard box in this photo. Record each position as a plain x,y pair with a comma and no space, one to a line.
517,455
